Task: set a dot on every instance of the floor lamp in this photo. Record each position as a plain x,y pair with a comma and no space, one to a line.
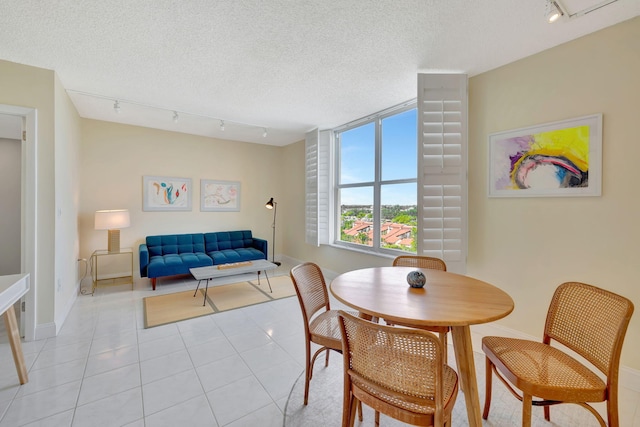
271,204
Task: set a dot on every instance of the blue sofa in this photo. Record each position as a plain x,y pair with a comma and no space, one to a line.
173,254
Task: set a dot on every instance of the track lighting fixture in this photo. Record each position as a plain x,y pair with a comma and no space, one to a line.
176,113
552,11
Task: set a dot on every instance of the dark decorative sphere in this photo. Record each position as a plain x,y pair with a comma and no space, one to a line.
416,279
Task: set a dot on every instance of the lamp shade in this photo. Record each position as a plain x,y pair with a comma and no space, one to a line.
112,219
269,204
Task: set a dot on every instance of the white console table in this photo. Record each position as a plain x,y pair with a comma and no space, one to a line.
12,288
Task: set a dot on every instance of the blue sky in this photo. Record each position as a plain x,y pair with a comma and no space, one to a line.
399,160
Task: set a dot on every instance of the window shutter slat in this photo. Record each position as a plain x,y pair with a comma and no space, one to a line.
442,187
311,188
317,187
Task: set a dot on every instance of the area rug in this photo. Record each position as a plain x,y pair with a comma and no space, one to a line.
169,308
325,403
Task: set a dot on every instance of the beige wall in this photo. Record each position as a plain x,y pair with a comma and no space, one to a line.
31,87
67,184
115,157
10,159
529,246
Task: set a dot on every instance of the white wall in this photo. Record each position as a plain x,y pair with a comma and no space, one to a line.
10,170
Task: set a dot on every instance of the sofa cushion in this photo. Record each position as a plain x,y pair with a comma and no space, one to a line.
175,244
172,264
222,240
227,256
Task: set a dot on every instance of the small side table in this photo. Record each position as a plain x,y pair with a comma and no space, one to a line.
118,278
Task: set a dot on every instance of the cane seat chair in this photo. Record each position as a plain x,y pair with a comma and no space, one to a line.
589,321
320,321
400,372
432,263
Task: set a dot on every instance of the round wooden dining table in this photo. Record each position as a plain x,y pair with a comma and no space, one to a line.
447,299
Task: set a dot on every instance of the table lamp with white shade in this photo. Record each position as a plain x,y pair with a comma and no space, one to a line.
113,221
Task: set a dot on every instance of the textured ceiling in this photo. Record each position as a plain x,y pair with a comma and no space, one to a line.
285,65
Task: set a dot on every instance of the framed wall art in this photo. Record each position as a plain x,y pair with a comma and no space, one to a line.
219,196
559,159
160,193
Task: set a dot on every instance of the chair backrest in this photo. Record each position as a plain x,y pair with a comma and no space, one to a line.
375,354
420,262
311,289
590,321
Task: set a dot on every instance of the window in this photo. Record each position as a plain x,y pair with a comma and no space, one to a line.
373,166
376,181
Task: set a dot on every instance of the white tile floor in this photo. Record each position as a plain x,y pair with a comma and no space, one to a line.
233,368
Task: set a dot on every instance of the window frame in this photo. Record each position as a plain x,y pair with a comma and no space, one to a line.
443,186
376,184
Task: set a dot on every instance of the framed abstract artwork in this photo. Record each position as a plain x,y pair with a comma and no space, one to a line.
559,159
219,196
160,193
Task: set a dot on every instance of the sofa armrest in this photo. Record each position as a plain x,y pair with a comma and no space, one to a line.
261,245
144,259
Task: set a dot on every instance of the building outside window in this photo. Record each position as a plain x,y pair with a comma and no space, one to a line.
376,181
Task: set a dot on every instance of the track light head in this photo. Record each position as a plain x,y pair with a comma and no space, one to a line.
264,133
116,106
175,117
552,11
222,125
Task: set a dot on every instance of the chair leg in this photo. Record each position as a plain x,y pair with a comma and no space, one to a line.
487,391
360,411
547,416
346,406
612,408
443,340
377,421
326,361
352,410
526,410
307,373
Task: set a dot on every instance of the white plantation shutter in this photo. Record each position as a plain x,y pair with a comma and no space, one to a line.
317,187
311,188
442,167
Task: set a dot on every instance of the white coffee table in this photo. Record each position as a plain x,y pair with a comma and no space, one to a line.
222,270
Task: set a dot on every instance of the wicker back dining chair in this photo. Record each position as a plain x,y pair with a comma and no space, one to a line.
589,321
432,263
320,322
399,372
420,262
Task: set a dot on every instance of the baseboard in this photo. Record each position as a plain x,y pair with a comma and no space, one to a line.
46,330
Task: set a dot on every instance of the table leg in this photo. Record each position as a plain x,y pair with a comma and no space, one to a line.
197,287
11,324
265,275
467,372
206,289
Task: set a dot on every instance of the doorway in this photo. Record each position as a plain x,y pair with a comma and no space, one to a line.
23,119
